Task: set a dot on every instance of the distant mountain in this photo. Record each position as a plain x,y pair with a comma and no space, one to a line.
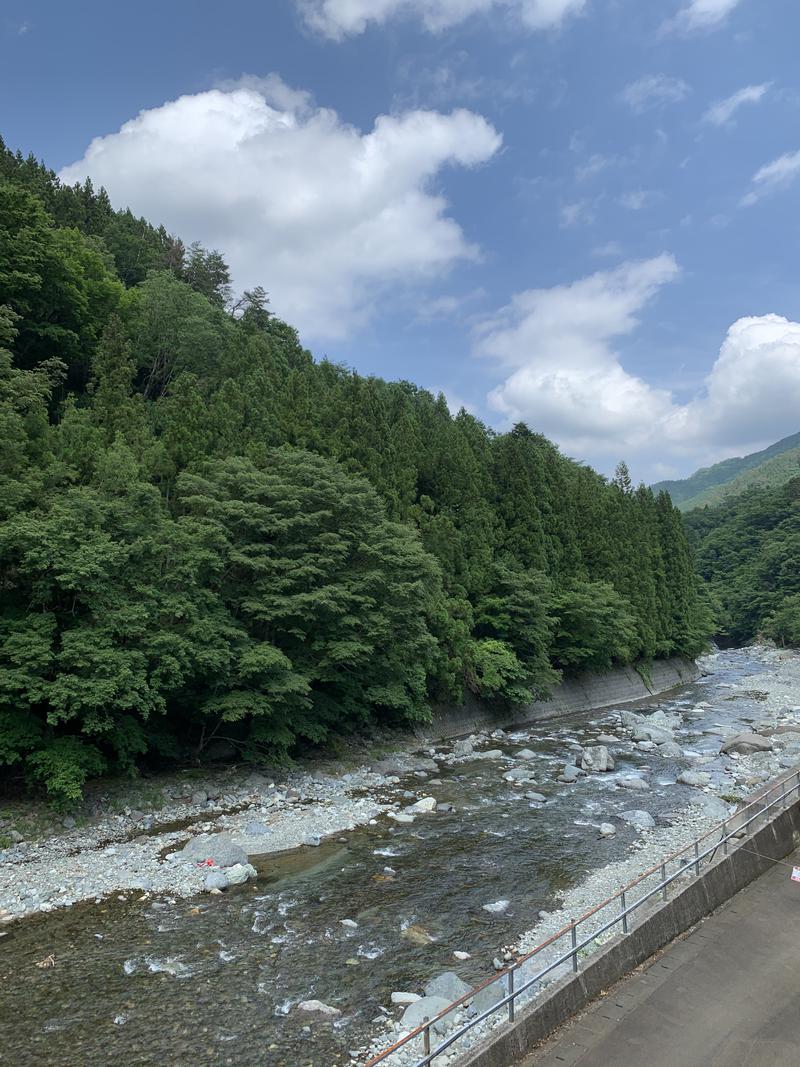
710,485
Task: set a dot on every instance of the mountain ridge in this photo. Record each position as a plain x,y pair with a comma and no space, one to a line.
773,465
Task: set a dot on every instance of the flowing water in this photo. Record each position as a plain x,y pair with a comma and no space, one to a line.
217,980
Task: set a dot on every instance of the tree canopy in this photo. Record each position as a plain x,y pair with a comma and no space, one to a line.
206,533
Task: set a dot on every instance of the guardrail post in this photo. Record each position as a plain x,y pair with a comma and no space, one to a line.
511,991
664,881
574,946
697,858
725,838
426,1040
624,913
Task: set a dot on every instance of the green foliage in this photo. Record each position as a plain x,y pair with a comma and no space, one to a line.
747,551
205,534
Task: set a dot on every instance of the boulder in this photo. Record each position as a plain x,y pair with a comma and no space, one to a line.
498,907
318,1006
215,880
698,779
518,774
669,750
539,798
492,753
607,829
405,998
239,873
221,849
747,743
488,996
526,754
569,775
597,758
449,986
634,782
638,819
646,732
647,746
422,806
463,748
607,739
427,1008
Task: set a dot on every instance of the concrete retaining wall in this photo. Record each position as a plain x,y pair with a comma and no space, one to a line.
585,692
655,928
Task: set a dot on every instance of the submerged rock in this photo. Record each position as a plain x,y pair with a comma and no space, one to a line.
694,778
498,907
318,1006
634,782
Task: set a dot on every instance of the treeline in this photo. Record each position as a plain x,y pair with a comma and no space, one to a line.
206,534
748,550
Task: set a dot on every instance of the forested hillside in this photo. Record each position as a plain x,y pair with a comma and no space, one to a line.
205,534
711,485
748,550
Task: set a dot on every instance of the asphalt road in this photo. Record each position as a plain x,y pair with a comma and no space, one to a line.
727,994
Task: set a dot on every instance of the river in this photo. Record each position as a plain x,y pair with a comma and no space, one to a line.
217,980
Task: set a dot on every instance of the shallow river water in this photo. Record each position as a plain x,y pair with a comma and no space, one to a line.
217,980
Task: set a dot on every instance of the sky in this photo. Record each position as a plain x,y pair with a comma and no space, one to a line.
580,214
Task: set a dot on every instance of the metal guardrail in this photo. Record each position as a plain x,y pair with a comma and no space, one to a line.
698,853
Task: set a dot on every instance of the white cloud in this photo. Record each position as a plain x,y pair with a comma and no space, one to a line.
721,113
775,176
577,213
637,199
321,214
704,14
654,90
338,19
565,377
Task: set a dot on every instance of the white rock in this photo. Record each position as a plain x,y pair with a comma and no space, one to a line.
318,1006
462,955
526,754
401,816
498,907
405,998
351,924
607,829
422,806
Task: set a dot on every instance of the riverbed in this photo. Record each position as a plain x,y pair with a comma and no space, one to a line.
151,977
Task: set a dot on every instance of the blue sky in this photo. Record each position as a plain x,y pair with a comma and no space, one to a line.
579,213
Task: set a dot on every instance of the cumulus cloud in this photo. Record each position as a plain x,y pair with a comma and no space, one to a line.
565,377
337,19
721,113
325,216
773,177
704,14
653,91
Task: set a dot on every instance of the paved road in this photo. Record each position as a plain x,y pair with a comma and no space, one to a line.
725,995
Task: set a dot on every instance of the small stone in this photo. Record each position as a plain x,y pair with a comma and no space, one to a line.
526,754
462,956
401,816
239,873
538,798
635,783
498,907
694,778
463,748
215,881
607,829
351,924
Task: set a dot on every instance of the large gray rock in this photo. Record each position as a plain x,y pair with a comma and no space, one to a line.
526,754
221,849
421,807
447,985
427,1008
634,782
569,775
669,750
647,732
215,879
695,778
519,774
638,819
463,748
597,758
746,743
488,996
